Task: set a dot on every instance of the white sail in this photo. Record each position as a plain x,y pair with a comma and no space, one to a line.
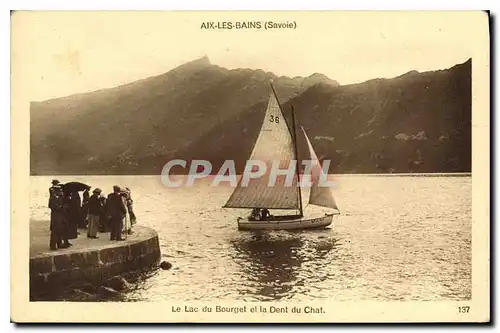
319,196
274,143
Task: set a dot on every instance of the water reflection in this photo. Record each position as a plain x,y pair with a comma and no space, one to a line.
275,265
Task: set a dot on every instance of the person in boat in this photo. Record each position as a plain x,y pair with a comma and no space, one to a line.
117,211
95,210
265,214
255,215
56,205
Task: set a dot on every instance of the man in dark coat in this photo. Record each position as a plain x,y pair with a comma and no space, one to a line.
65,231
56,205
117,211
55,186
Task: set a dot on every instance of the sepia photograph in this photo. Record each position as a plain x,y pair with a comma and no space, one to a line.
250,166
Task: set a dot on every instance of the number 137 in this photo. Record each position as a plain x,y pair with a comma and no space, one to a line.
463,309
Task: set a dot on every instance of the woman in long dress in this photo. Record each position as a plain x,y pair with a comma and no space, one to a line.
74,215
85,210
130,208
127,226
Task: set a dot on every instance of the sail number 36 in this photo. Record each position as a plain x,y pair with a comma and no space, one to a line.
274,119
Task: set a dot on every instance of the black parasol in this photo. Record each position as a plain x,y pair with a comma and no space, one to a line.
74,187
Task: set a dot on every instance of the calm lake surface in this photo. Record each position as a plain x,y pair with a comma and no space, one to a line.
397,238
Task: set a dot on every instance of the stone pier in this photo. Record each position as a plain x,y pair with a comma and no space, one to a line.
88,260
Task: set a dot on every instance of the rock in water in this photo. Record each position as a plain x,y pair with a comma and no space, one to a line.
117,283
106,291
165,265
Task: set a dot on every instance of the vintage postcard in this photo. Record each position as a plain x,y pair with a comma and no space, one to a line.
250,166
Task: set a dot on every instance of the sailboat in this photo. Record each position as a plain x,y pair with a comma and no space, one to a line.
277,143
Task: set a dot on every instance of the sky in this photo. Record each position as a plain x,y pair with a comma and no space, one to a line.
62,53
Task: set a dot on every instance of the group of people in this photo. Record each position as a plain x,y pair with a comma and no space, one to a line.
95,212
259,214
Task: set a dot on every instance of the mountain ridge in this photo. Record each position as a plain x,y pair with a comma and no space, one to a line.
203,110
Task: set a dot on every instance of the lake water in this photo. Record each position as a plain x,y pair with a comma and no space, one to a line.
397,238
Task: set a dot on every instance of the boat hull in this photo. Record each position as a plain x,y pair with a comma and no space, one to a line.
292,223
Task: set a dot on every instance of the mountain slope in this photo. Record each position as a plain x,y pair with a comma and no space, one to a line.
417,122
110,131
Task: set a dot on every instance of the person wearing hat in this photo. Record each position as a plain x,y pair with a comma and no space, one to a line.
130,208
95,210
55,183
104,222
126,227
117,211
56,205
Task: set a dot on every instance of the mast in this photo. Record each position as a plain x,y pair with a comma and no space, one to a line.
297,156
294,141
